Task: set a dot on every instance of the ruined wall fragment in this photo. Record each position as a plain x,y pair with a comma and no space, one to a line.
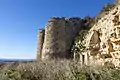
41,34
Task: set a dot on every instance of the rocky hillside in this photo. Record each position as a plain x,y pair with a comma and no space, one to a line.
102,42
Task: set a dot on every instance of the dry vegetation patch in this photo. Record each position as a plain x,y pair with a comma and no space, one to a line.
57,70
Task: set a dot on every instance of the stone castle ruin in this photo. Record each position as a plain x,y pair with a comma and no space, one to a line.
57,38
102,42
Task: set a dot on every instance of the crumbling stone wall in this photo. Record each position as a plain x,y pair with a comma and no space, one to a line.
41,34
58,38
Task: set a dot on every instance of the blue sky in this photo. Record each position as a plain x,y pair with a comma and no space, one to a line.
21,19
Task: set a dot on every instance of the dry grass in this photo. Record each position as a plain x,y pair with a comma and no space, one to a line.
57,70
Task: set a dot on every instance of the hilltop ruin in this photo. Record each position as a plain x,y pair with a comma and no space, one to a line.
57,38
101,43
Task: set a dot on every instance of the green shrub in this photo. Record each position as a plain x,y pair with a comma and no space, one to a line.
12,74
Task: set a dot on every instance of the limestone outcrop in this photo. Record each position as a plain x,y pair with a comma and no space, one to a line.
117,2
103,39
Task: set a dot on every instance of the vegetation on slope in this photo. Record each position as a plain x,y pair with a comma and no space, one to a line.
63,69
58,70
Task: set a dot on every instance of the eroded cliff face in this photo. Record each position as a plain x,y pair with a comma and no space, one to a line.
103,39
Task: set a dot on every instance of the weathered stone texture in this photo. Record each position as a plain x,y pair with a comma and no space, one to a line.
59,36
106,45
102,41
41,34
117,2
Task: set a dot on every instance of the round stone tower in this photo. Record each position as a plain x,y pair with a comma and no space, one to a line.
54,43
59,36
